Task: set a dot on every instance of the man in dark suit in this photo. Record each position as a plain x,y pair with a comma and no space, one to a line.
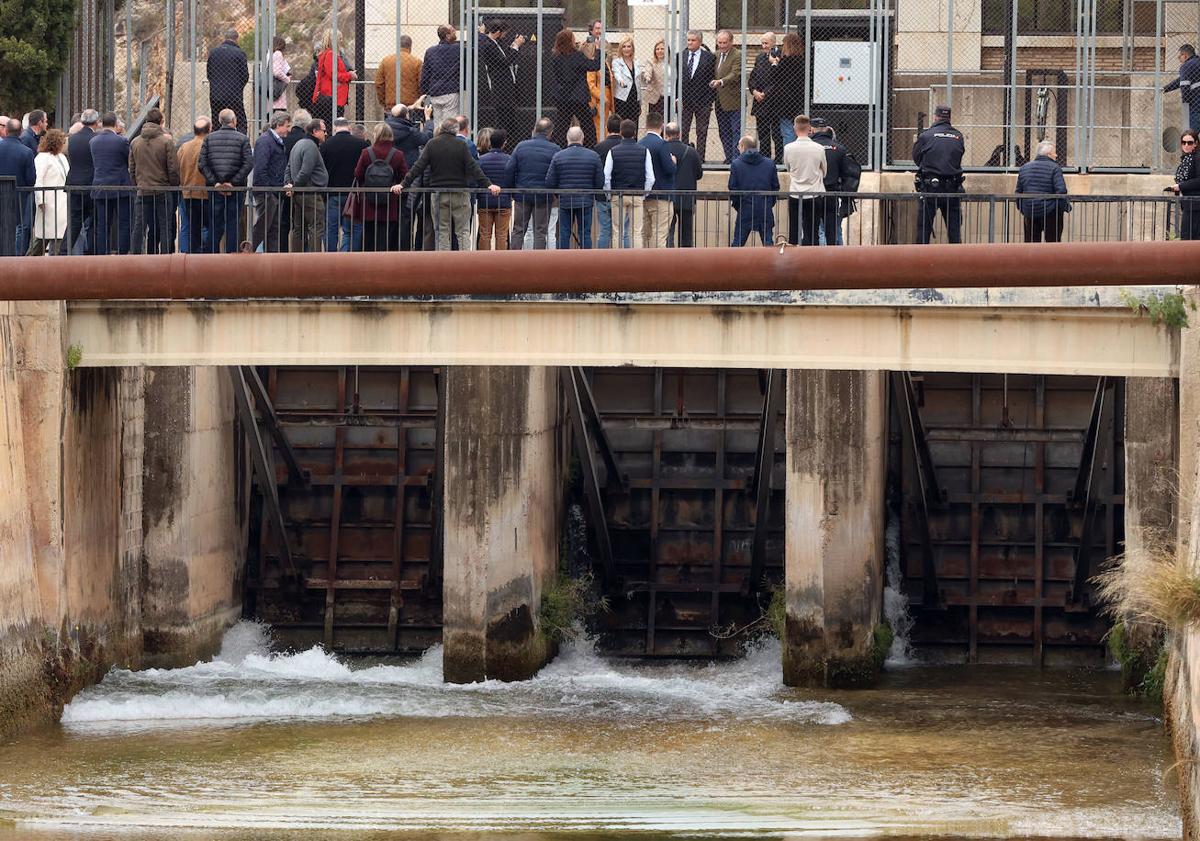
79,200
656,208
16,161
110,161
688,172
696,69
228,73
498,78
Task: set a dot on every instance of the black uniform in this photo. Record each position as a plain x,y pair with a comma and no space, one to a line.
938,155
835,176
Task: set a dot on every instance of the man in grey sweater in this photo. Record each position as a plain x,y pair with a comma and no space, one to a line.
306,171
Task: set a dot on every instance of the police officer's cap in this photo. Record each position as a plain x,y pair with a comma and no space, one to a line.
942,111
819,122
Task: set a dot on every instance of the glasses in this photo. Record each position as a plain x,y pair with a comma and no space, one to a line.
1187,142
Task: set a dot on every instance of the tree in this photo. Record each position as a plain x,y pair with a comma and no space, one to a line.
35,40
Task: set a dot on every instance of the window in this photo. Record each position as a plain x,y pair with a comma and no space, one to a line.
771,15
577,14
1049,17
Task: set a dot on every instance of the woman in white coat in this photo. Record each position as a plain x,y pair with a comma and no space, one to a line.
50,218
281,74
625,81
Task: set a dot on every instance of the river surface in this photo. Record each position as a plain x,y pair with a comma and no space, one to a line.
256,745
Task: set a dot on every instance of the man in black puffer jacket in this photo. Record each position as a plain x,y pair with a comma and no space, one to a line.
225,162
1043,176
228,71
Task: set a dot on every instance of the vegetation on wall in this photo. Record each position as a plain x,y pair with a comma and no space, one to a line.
1166,308
35,37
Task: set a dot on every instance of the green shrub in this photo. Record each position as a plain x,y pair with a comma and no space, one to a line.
1169,308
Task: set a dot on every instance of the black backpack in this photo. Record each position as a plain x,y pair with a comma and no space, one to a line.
379,172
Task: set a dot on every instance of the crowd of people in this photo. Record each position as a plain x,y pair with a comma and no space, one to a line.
423,181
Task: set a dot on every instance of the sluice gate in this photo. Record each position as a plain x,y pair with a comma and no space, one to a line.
1006,491
1011,493
360,519
695,523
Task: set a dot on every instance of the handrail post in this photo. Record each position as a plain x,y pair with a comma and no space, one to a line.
9,213
991,218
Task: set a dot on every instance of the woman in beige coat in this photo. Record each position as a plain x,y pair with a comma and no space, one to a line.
50,218
653,75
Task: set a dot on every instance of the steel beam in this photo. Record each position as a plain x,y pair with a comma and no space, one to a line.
591,484
764,465
238,276
296,475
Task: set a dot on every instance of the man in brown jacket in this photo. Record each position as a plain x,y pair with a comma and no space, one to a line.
410,78
195,194
154,168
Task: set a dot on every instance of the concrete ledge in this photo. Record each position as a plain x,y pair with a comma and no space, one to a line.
175,646
998,339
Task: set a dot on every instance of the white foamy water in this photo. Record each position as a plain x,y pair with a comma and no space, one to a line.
895,602
248,682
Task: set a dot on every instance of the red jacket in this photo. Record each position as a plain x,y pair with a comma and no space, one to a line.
325,78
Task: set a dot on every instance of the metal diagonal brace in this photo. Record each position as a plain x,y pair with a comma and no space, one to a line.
263,473
1082,505
911,428
297,476
587,462
588,403
764,462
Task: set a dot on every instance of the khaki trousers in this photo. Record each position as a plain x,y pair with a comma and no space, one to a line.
656,221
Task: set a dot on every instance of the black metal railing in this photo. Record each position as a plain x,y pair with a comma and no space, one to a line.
205,219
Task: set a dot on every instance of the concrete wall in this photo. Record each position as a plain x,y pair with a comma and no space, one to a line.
117,518
502,510
194,537
70,517
836,440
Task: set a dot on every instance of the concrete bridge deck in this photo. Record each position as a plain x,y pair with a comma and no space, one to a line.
1074,330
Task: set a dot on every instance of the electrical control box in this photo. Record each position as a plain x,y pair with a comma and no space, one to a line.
841,73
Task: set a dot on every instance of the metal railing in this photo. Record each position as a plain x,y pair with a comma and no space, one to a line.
165,220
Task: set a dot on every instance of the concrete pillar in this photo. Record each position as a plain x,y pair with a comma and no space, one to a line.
502,507
194,535
1189,421
836,439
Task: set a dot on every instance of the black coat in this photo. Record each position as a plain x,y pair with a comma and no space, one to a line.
759,80
228,73
570,77
1189,208
408,137
341,153
79,154
110,158
835,162
225,157
695,87
497,81
785,87
688,171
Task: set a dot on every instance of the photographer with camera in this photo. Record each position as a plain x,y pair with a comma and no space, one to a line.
938,154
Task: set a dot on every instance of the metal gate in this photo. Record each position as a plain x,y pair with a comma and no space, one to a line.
1011,493
688,570
353,465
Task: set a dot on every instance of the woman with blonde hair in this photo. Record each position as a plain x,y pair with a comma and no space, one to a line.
322,104
653,77
625,81
50,217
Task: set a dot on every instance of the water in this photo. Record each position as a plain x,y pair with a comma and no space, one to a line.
269,746
895,602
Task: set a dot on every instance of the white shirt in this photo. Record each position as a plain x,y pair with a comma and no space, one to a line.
805,162
693,60
608,168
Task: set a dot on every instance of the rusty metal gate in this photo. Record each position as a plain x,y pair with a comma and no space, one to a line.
353,490
1010,490
680,492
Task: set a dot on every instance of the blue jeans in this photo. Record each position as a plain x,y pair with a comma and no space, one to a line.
574,217
25,224
226,213
787,130
604,221
119,208
750,219
335,223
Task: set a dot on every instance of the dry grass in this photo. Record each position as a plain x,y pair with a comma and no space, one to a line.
1153,584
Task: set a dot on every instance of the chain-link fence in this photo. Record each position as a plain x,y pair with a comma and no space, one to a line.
1086,74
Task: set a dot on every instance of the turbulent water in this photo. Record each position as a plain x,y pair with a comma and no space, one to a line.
264,745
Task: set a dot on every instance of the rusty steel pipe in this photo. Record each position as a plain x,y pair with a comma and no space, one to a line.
387,274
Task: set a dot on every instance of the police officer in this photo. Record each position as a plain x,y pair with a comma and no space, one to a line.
938,155
836,162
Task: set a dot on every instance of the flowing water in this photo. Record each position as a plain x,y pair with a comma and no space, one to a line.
256,745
